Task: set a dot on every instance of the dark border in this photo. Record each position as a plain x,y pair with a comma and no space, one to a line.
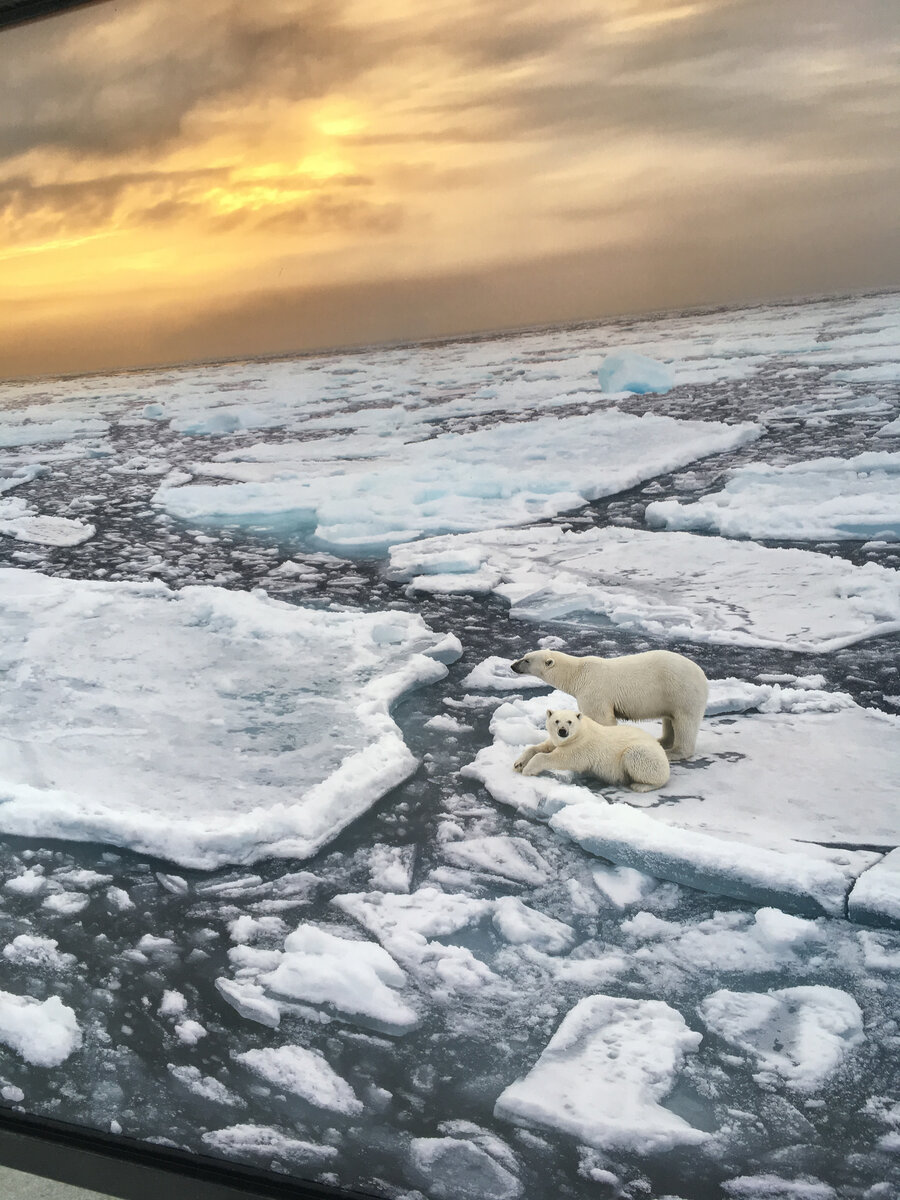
130,1169
17,12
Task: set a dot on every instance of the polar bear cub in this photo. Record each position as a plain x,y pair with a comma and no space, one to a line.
658,683
617,754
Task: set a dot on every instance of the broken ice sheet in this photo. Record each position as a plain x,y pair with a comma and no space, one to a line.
603,1075
204,726
671,585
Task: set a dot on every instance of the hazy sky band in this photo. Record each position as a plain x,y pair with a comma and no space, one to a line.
184,181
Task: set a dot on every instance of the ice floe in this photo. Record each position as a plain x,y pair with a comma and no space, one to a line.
304,1073
875,898
456,1169
510,474
204,726
264,1142
798,1035
824,499
679,585
44,1033
746,815
603,1074
22,521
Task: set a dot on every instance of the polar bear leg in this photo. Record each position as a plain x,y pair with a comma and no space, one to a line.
667,741
685,729
645,768
528,754
541,762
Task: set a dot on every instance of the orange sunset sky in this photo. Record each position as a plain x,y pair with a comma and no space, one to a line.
208,178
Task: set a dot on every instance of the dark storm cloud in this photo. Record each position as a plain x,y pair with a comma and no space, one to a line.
138,95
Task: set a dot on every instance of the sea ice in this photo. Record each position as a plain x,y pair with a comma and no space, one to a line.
359,980
679,585
37,952
44,1033
304,1073
33,433
510,857
774,1187
603,1074
21,521
509,474
626,372
875,898
521,925
272,1145
451,1168
892,429
185,724
799,1035
825,499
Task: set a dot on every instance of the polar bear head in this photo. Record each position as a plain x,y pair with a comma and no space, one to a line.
563,724
543,664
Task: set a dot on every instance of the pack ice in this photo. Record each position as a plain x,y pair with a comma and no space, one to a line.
678,585
508,474
204,726
823,499
759,813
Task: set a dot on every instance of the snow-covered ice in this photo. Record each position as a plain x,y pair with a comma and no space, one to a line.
22,521
452,1168
875,898
603,1075
44,1033
304,1073
235,727
509,474
671,585
823,499
272,1146
799,1035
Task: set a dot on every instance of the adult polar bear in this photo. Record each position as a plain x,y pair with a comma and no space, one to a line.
636,687
624,755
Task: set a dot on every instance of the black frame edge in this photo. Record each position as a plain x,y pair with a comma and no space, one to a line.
131,1169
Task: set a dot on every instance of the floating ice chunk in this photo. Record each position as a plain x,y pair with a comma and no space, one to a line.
43,1033
358,979
262,1141
726,941
512,857
29,883
304,1073
391,868
450,1168
622,885
218,421
276,767
21,521
173,1004
33,433
444,723
24,473
520,925
781,929
251,1001
678,585
875,898
190,1032
624,372
205,1086
773,1187
881,952
41,953
799,1035
407,925
497,675
248,929
66,904
892,429
509,474
737,695
603,1074
824,499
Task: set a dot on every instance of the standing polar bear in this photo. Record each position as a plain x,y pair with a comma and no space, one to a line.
658,683
622,754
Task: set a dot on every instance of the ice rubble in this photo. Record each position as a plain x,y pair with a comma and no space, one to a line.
452,1168
272,1145
44,1033
509,474
204,726
824,499
776,1187
603,1074
747,787
679,585
798,1035
628,372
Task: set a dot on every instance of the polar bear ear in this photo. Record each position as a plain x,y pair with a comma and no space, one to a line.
548,662
549,712
578,716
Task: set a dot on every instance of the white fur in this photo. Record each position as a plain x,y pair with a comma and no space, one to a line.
617,754
658,683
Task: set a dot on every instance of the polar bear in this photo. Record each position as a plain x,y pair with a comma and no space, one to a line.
621,754
657,683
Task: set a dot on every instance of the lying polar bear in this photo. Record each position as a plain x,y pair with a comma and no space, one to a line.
621,754
658,683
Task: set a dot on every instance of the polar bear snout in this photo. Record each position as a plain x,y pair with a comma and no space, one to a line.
563,733
519,666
